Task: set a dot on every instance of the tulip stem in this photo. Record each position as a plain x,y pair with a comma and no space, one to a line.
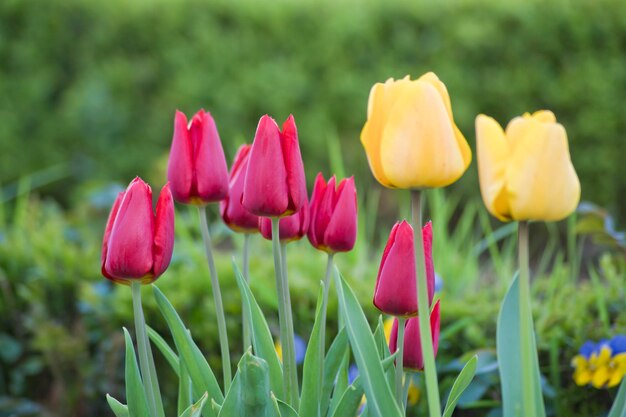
526,322
146,361
217,297
399,364
329,268
290,372
430,369
246,276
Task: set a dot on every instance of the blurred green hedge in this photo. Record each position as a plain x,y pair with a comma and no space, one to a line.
94,85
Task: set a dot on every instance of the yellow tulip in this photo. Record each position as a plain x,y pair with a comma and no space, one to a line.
410,137
526,172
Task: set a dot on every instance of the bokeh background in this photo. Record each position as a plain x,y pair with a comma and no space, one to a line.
88,92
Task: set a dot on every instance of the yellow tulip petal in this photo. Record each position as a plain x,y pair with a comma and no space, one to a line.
418,147
492,153
541,180
545,116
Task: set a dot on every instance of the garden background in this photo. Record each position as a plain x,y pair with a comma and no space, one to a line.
88,92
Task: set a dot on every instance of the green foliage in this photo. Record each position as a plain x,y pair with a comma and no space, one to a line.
95,84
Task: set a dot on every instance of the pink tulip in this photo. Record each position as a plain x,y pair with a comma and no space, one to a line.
395,291
412,356
274,185
333,215
290,228
138,245
233,213
197,170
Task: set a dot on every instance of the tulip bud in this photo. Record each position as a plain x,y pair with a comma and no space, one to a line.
197,170
333,215
526,172
412,356
138,244
410,137
234,215
274,185
290,228
396,285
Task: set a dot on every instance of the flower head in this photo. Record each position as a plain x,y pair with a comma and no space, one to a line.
601,364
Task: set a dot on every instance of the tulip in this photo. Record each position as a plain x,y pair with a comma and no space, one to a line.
234,215
410,137
396,291
412,356
526,172
274,185
291,228
197,169
138,244
333,215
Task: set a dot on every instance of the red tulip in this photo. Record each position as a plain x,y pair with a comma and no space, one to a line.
290,228
274,185
333,215
197,169
138,245
395,291
234,215
412,356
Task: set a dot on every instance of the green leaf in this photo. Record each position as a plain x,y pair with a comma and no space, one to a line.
379,396
135,394
350,400
195,410
619,405
342,381
508,344
313,365
337,351
202,377
460,384
184,389
119,409
261,336
170,356
285,409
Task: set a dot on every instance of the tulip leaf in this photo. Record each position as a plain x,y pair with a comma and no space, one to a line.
184,389
135,394
285,409
337,351
350,400
195,410
165,349
119,409
619,405
262,341
508,342
460,385
313,365
380,399
202,377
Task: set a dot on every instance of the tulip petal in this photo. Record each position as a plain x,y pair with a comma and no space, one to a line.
340,234
419,147
265,191
493,152
294,166
541,180
233,213
319,190
107,232
427,237
129,252
180,163
324,212
211,171
163,232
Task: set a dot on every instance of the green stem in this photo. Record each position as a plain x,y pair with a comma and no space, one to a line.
217,297
526,321
399,363
322,343
246,276
430,369
290,372
146,361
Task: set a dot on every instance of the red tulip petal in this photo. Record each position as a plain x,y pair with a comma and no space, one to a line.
180,163
340,234
324,212
233,213
163,232
393,337
107,232
294,166
129,252
435,323
319,189
413,357
265,191
211,171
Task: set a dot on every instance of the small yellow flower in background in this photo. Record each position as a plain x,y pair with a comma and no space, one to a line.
414,394
526,172
387,326
300,346
603,365
410,137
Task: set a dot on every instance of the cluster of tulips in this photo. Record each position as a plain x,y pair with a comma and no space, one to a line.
411,142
